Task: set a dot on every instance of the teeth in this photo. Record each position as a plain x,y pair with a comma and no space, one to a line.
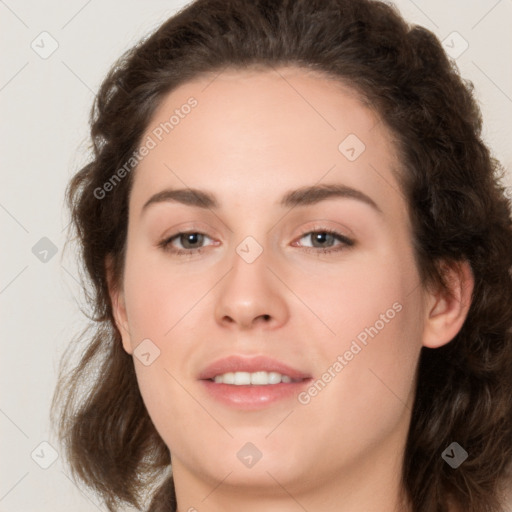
255,378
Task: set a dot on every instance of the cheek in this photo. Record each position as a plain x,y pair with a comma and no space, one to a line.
372,296
367,384
163,307
374,313
158,295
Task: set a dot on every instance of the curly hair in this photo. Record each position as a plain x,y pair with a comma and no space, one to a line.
456,201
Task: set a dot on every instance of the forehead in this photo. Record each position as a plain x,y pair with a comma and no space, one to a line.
263,130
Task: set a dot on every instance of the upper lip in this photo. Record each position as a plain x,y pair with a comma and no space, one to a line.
236,363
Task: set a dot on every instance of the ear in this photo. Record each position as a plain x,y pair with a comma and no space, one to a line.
118,305
447,311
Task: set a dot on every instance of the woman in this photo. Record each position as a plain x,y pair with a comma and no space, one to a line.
300,251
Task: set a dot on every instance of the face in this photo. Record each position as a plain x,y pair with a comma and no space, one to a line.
282,332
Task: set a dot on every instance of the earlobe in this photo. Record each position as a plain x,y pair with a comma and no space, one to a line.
447,311
117,301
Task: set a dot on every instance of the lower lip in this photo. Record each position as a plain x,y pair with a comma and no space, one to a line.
253,397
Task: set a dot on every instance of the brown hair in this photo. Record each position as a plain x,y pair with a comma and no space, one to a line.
457,205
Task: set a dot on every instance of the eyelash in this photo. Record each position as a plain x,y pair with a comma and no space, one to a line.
345,242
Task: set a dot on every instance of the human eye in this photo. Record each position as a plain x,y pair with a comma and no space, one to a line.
323,241
190,241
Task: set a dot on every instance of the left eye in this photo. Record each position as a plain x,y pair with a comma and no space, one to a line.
326,240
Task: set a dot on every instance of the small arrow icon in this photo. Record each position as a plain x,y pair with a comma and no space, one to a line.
450,455
249,249
44,455
455,45
146,352
44,250
351,147
44,44
249,455
454,455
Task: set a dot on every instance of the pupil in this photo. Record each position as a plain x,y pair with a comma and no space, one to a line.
321,237
191,238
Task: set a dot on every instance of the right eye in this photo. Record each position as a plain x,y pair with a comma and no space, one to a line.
187,239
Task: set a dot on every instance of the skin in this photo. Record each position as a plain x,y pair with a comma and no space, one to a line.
254,136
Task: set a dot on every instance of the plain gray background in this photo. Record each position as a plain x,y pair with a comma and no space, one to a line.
45,101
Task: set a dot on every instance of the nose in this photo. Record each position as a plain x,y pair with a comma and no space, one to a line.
250,296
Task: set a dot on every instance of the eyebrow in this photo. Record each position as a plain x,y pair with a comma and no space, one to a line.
303,196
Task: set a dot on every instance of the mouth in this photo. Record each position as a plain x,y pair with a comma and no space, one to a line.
259,378
252,382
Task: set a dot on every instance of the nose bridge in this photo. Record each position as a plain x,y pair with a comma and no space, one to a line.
250,263
249,292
